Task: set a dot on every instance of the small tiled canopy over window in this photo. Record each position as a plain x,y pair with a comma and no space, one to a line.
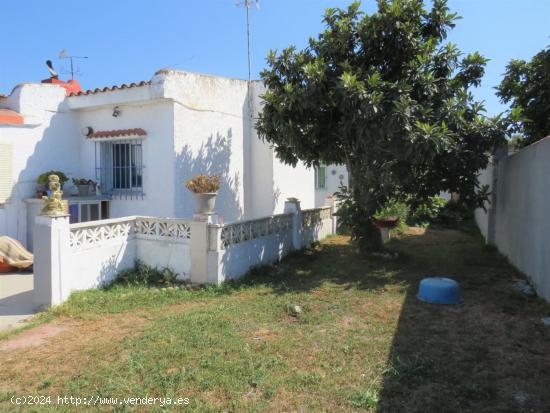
119,162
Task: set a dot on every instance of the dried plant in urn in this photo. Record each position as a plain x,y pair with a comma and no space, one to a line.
205,188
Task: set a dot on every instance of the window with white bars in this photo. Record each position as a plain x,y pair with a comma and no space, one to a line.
119,168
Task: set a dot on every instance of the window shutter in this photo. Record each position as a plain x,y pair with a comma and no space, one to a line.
6,178
321,177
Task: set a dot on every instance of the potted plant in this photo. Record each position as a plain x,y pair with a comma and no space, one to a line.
43,182
83,186
390,221
205,188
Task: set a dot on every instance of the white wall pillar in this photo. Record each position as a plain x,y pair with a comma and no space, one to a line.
334,205
215,267
199,252
385,234
293,207
51,259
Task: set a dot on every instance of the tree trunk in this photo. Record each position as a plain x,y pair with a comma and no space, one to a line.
367,237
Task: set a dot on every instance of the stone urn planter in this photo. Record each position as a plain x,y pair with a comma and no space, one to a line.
83,185
205,188
83,190
385,224
205,202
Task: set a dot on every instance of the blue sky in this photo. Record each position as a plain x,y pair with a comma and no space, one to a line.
129,40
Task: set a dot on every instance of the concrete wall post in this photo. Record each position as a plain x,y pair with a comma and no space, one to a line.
200,245
293,207
51,259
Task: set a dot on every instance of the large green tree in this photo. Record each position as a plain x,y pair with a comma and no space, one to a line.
526,86
385,96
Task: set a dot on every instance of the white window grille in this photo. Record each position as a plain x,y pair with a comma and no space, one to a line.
119,168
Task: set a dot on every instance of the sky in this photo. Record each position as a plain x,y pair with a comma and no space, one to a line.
128,40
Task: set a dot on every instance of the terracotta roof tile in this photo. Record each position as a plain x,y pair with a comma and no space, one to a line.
117,133
10,117
112,88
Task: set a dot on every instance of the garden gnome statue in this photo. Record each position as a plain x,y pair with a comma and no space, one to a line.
53,204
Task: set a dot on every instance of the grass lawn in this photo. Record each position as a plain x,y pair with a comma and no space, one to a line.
362,341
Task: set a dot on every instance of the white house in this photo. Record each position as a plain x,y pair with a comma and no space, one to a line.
328,180
141,141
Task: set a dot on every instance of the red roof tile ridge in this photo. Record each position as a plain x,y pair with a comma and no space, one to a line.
118,132
112,88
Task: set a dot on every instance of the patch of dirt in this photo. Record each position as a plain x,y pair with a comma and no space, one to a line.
33,337
263,334
87,339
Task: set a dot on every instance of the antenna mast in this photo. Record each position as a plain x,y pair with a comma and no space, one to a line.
63,55
247,4
248,36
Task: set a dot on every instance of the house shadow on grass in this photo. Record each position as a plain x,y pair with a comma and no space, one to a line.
489,354
328,262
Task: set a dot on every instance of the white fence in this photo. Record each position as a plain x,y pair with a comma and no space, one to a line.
71,257
100,249
236,248
518,220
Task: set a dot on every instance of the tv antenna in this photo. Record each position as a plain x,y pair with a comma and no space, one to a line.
63,55
247,4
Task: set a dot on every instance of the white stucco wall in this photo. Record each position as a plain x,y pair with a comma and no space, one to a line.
336,175
165,254
288,182
48,140
272,182
241,258
194,123
98,265
482,216
522,230
522,221
156,118
209,128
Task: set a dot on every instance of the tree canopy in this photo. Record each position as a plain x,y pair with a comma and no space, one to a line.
384,95
526,86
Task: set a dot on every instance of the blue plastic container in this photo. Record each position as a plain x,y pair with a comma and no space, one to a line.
439,290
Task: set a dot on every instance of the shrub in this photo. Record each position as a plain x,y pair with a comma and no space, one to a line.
394,208
143,274
454,212
348,213
43,178
427,212
204,183
345,211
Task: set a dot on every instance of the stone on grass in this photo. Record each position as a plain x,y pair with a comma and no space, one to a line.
524,287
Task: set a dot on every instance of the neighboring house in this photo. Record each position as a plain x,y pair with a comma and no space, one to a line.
328,180
142,141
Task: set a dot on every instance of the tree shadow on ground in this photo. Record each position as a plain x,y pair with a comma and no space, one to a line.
489,354
329,262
